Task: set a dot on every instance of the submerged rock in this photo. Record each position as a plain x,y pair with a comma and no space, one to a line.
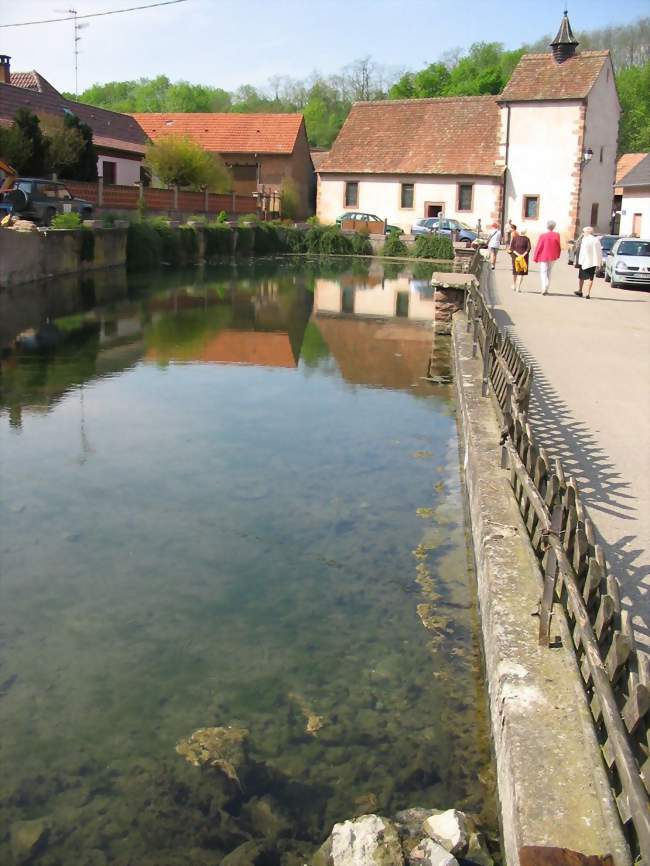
365,841
223,749
314,721
409,821
448,829
429,853
28,838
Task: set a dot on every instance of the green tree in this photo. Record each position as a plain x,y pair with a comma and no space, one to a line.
633,85
180,161
29,127
85,167
64,145
15,148
289,202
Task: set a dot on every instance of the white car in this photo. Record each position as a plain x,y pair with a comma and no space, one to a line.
628,263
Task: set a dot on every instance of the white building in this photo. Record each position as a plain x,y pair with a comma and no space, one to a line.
634,188
543,149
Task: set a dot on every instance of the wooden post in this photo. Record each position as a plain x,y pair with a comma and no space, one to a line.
550,574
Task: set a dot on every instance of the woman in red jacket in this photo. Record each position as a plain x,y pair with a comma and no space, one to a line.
546,253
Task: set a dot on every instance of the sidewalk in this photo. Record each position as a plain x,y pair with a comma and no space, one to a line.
590,406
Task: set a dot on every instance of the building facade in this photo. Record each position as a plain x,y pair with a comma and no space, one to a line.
633,196
543,149
119,141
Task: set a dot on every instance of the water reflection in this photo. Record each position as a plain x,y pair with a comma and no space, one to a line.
209,518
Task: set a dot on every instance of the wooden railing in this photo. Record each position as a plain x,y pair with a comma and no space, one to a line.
616,676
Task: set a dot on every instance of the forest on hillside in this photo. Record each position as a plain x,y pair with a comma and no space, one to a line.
325,101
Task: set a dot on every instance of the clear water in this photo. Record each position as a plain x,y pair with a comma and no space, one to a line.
227,502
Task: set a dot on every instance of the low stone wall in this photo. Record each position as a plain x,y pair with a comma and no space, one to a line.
552,785
27,256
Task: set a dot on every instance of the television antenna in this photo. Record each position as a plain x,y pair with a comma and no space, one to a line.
77,27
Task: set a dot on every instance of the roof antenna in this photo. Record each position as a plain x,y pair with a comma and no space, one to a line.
77,39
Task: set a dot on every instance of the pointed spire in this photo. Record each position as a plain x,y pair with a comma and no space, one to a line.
564,45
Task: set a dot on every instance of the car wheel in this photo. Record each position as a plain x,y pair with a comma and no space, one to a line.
48,216
608,279
616,285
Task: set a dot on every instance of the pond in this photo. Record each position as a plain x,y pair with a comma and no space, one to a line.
230,497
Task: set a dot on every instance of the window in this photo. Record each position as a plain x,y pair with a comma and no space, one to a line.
593,220
531,207
109,170
63,194
352,194
406,200
46,190
465,195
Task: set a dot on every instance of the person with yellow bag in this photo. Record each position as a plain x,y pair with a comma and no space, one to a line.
519,250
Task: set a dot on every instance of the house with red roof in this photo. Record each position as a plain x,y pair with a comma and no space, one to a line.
263,151
118,139
632,195
544,149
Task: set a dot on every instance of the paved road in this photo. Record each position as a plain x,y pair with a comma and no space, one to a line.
591,406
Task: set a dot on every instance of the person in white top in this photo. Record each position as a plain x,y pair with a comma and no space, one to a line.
493,244
590,257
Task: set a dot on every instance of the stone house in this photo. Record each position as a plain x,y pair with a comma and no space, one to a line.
119,141
261,150
545,148
632,195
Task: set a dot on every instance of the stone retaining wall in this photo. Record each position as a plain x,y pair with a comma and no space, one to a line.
27,256
552,785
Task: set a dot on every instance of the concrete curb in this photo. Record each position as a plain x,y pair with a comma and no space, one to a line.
552,785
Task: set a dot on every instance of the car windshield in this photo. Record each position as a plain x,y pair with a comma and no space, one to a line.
608,241
634,248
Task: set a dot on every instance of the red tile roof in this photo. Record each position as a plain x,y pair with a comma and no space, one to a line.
110,128
626,162
228,133
540,77
456,135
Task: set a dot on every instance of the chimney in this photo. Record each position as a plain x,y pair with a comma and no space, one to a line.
564,45
5,69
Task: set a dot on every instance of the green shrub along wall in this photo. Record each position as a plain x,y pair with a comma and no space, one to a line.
152,242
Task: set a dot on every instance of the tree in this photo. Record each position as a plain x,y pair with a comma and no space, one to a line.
289,199
29,127
64,144
15,147
85,167
180,161
633,86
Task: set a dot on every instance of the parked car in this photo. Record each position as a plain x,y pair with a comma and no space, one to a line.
40,200
606,242
628,263
374,223
429,225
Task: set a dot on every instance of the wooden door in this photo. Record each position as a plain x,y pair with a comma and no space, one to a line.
636,225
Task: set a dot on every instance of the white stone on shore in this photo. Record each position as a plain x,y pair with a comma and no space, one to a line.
366,841
448,829
429,853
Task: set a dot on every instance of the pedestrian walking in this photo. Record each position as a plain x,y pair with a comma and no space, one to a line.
510,229
590,257
519,250
547,252
493,244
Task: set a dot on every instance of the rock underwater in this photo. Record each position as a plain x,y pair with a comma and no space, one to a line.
222,749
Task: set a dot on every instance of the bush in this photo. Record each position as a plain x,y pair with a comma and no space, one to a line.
289,199
218,240
313,220
361,246
295,240
87,245
334,241
313,238
66,221
269,238
222,217
247,219
394,246
108,219
245,240
189,244
170,244
433,247
143,246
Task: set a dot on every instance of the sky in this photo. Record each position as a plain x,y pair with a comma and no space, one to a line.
227,43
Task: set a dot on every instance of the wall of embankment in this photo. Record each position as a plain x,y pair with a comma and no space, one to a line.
27,256
552,785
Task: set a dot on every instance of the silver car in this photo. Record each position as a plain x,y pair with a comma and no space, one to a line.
629,263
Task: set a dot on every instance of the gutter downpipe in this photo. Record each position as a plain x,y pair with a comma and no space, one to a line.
505,175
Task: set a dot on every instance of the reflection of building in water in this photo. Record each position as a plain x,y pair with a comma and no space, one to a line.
377,353
403,297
